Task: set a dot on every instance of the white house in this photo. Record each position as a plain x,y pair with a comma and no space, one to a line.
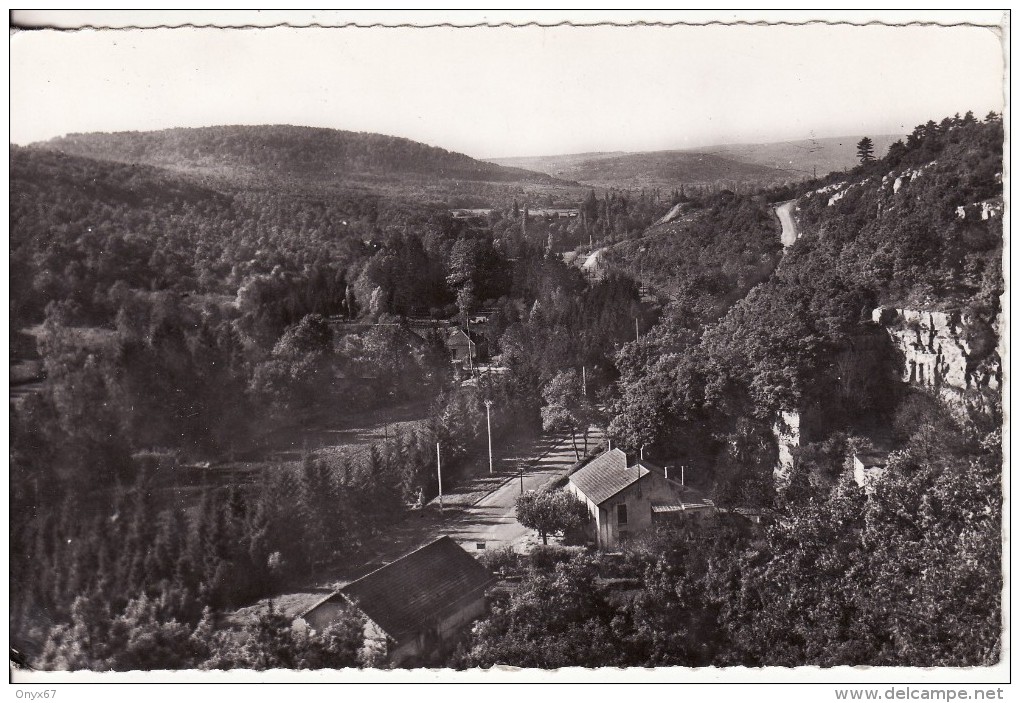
624,499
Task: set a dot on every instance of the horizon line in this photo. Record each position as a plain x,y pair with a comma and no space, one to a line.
622,152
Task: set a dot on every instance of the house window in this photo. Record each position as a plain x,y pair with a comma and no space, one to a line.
621,514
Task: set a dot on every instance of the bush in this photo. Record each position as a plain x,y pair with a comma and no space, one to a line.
502,561
545,558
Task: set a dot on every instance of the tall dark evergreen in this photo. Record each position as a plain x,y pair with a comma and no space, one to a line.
866,150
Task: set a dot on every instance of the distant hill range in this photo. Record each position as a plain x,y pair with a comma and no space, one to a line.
774,162
291,152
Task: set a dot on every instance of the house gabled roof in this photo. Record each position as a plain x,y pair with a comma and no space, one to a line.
607,475
422,586
458,336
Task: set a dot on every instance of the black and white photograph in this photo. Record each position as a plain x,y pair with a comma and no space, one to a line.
471,345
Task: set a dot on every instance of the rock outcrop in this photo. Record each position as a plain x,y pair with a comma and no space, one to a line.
793,429
899,180
787,432
984,210
934,349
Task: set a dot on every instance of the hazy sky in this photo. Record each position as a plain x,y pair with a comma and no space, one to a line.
510,91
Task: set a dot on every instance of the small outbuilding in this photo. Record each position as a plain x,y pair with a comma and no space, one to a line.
868,467
462,348
416,608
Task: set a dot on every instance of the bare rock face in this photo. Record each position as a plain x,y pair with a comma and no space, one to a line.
935,352
984,210
787,432
793,429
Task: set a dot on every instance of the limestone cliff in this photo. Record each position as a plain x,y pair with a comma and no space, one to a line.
935,351
787,432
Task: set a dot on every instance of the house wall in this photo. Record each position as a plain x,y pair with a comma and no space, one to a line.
459,351
424,646
597,516
321,616
454,627
376,646
427,646
858,472
865,476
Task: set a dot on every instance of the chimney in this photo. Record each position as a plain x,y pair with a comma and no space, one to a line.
665,470
610,445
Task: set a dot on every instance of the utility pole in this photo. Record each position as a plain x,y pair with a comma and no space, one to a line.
584,382
488,428
439,471
637,331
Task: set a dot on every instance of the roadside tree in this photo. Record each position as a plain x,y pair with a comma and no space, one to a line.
567,409
549,512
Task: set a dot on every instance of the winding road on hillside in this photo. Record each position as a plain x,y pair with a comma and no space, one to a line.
785,212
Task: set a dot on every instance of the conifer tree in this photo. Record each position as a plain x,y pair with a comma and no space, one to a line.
866,150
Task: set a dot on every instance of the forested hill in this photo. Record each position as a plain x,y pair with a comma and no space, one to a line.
908,570
755,329
920,226
293,152
662,169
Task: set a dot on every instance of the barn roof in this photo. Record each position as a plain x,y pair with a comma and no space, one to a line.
420,586
606,476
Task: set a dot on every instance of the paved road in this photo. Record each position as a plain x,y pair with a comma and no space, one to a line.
477,511
785,212
491,520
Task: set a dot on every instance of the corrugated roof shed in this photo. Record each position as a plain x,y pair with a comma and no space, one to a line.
418,587
654,468
606,476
